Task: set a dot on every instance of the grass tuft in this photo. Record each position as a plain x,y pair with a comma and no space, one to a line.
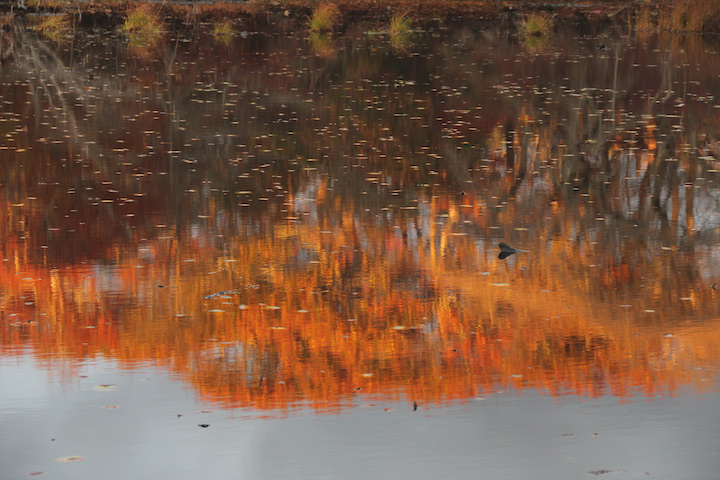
142,25
401,24
223,29
53,27
400,31
324,18
536,25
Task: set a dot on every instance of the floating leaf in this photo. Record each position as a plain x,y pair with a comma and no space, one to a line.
104,388
72,458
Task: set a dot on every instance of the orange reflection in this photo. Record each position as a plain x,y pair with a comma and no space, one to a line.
345,242
316,312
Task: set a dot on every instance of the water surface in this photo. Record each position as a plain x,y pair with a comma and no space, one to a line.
299,237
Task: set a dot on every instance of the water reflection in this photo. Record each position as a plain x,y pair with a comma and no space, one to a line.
277,220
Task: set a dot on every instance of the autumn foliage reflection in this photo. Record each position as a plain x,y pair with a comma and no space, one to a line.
292,239
319,311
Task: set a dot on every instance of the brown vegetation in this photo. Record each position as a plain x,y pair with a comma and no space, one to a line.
299,10
690,16
324,18
54,27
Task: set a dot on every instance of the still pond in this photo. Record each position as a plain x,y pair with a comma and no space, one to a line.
276,256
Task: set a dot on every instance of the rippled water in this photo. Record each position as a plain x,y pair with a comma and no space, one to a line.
294,241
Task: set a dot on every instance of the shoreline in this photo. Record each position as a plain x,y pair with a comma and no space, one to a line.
350,10
681,17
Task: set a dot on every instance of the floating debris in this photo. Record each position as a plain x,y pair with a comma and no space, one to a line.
71,458
104,388
219,294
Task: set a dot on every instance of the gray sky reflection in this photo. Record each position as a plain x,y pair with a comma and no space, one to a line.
503,436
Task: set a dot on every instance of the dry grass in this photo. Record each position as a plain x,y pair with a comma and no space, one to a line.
536,25
223,29
401,24
54,27
644,20
690,16
143,25
324,18
699,16
400,31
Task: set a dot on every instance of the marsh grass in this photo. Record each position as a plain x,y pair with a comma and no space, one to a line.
401,24
142,25
644,20
536,25
701,15
223,30
664,20
54,27
324,18
400,31
690,16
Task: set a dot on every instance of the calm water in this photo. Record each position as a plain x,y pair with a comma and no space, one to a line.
277,256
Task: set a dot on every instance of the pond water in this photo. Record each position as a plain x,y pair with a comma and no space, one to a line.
277,256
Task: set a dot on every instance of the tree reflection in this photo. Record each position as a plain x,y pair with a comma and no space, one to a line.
282,222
